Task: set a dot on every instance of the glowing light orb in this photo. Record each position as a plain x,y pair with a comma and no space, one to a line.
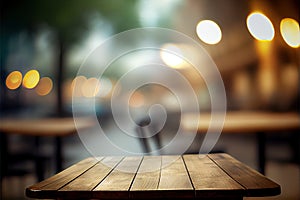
76,85
90,87
31,79
260,26
209,32
171,55
14,80
289,29
44,87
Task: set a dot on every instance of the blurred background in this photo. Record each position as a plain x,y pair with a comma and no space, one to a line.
254,43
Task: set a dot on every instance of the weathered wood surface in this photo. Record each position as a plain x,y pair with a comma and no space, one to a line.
212,176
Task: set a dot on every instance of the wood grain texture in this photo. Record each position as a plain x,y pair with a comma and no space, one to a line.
255,184
147,179
118,182
148,175
93,176
214,176
206,177
54,183
174,177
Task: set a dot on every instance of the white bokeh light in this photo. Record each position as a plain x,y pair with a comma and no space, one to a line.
209,32
260,26
289,29
171,55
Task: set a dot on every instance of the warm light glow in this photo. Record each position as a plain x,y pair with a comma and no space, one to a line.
76,86
68,90
105,87
263,48
171,55
31,79
137,100
90,87
267,84
14,80
289,29
241,88
260,26
44,87
209,32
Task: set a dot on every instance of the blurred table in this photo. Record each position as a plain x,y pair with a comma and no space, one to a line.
240,122
212,176
42,127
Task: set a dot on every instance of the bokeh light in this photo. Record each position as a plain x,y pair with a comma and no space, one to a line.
105,87
76,86
209,31
260,26
90,87
137,99
171,55
289,29
14,80
31,79
44,87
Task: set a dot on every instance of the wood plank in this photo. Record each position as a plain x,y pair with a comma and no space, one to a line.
255,183
217,176
82,186
147,178
174,177
117,183
48,188
206,177
148,175
173,168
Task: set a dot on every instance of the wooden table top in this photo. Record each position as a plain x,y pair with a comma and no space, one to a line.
244,122
45,126
211,176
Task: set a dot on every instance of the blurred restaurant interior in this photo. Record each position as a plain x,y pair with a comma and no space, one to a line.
253,43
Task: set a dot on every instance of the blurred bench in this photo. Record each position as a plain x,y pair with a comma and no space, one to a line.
243,122
37,128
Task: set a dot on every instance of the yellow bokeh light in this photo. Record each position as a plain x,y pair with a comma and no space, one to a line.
260,26
289,29
90,87
209,32
14,80
171,55
31,79
44,87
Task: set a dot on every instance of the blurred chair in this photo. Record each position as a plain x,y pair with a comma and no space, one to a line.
144,135
150,142
23,162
